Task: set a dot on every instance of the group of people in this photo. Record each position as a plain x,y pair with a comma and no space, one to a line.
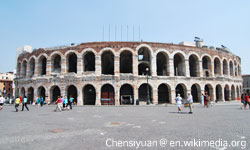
40,101
64,103
204,98
245,100
19,100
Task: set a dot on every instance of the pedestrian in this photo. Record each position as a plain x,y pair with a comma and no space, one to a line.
1,102
246,101
25,101
178,102
61,102
202,99
190,102
41,101
17,102
71,99
65,103
206,99
38,101
58,102
242,100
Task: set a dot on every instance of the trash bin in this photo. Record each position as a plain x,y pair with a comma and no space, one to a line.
137,102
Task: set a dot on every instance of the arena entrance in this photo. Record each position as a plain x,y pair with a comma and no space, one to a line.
232,92
55,92
72,92
126,95
206,65
182,90
162,64
226,93
209,90
89,95
179,65
218,93
107,95
89,62
163,94
143,92
30,95
42,65
193,66
41,92
196,93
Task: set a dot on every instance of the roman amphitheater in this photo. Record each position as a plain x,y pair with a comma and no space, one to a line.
123,73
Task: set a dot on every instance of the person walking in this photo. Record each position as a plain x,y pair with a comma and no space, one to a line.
202,99
206,100
71,99
38,101
17,102
65,103
178,102
58,102
242,100
41,101
25,101
1,102
246,101
190,102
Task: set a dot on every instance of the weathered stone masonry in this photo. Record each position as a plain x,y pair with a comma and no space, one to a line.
97,71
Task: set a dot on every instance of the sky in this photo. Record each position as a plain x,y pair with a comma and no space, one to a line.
49,23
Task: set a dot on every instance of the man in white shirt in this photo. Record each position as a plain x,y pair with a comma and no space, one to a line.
1,102
190,102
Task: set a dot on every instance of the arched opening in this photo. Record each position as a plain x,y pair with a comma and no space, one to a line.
72,62
238,92
196,93
144,61
42,65
239,70
209,90
194,66
89,62
232,92
55,92
231,68
182,90
56,63
22,92
72,92
41,92
217,66
226,93
225,67
108,63
126,94
107,95
162,64
179,65
164,94
19,69
24,68
30,95
126,62
142,68
32,67
89,95
206,65
145,90
218,93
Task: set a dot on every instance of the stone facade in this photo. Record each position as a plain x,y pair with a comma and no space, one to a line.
103,71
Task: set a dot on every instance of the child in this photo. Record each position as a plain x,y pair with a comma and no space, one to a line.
17,102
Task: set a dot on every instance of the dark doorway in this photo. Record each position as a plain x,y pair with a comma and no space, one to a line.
72,63
89,95
142,68
225,67
126,95
107,95
181,89
206,65
24,68
226,93
89,62
30,95
218,93
72,91
108,63
217,66
32,67
209,90
56,64
196,93
55,93
232,92
43,65
41,92
163,94
143,92
126,62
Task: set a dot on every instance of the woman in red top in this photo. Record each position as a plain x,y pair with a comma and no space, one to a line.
246,101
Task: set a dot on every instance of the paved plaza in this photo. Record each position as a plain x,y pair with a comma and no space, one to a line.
125,127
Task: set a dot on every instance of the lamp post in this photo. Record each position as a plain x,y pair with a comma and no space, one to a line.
148,101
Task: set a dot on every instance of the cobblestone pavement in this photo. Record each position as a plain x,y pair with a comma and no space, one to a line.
125,127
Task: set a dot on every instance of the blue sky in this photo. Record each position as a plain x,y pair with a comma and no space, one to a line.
47,23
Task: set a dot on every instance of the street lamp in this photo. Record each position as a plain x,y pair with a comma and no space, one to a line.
148,101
